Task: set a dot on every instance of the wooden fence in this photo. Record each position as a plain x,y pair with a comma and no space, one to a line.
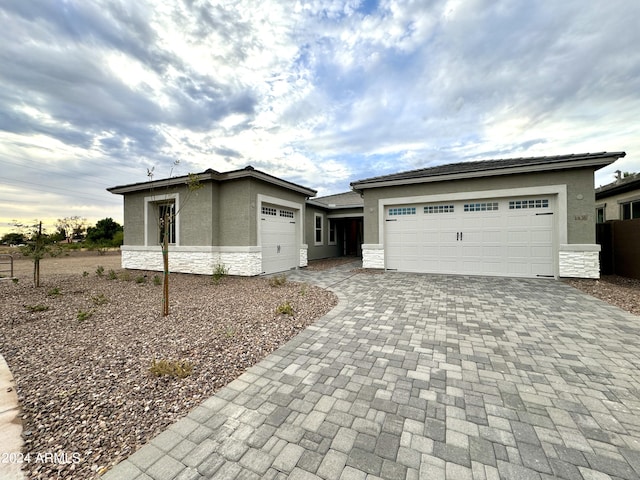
620,247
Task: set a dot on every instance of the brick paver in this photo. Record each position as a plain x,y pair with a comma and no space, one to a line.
425,376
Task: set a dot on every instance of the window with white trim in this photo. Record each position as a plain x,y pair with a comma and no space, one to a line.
332,232
629,210
166,222
318,222
269,211
286,213
600,215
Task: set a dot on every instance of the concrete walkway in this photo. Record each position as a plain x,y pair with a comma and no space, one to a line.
425,377
10,426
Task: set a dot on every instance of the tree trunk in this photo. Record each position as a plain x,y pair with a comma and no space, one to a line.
165,264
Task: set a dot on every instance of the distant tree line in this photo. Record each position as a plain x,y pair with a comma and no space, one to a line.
72,230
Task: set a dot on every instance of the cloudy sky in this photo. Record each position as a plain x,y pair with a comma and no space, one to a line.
319,92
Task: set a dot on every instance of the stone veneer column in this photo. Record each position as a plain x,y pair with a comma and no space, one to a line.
579,261
372,255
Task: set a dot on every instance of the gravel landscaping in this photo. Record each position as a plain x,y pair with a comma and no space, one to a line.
81,347
622,292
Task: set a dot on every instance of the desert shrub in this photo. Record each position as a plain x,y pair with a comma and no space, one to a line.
219,272
112,275
84,315
141,279
171,368
37,308
52,292
157,280
278,280
285,309
100,271
99,299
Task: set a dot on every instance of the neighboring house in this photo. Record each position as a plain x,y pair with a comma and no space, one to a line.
619,200
334,226
523,217
246,220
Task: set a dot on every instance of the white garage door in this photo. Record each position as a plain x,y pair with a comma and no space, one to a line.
503,237
278,238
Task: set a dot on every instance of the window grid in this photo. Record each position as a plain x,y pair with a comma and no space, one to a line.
286,213
319,220
402,211
519,204
630,210
438,209
167,211
481,207
269,211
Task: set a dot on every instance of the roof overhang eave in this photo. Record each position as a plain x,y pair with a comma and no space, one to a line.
594,163
205,176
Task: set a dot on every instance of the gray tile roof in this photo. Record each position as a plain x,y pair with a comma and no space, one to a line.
341,200
623,185
494,167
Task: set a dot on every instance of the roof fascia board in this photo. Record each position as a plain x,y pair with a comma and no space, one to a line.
597,162
155,184
315,203
182,180
236,174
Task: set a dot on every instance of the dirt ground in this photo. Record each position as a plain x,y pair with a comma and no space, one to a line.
70,263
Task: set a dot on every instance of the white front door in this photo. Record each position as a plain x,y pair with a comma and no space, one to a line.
503,237
280,250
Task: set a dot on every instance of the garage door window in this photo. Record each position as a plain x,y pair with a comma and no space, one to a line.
269,211
286,213
518,204
481,207
402,211
429,209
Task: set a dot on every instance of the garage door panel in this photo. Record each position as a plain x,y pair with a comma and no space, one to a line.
278,239
484,237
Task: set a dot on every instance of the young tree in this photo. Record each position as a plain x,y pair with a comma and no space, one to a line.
166,219
73,228
39,245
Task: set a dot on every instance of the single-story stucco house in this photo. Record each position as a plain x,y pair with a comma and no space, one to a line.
619,200
246,220
527,217
522,217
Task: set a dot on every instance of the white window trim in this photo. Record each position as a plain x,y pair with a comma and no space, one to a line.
159,199
332,223
315,229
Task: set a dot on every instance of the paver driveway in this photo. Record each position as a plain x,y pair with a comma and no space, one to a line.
425,376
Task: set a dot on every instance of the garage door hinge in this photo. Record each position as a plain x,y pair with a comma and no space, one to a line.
546,213
392,219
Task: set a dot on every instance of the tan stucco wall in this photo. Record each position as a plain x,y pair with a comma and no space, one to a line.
238,212
580,198
324,250
612,204
195,215
134,218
